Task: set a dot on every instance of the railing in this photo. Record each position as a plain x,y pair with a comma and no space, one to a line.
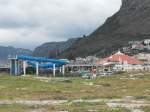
12,56
4,66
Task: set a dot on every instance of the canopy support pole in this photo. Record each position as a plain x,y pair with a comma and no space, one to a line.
63,71
60,70
54,70
24,67
15,67
37,69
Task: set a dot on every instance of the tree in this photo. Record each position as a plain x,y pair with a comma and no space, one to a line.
71,56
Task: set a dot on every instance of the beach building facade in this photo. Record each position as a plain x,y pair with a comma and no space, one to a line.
121,62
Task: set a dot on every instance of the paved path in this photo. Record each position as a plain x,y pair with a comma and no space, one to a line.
129,104
109,102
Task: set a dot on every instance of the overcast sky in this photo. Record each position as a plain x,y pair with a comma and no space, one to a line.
29,23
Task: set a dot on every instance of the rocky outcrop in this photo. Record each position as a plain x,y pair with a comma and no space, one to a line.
6,51
53,49
131,22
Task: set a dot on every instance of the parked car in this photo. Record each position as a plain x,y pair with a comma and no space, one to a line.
75,74
107,73
87,75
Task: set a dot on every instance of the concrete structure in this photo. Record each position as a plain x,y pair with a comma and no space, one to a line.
127,67
143,57
89,60
147,42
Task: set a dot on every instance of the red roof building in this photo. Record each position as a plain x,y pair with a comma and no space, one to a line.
120,57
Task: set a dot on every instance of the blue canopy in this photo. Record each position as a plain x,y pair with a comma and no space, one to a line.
49,64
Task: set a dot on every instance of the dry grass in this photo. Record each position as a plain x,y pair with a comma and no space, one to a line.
70,107
32,88
118,86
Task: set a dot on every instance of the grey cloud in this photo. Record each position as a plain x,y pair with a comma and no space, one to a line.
16,23
51,20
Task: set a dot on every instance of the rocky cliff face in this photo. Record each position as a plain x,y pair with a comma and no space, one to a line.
131,22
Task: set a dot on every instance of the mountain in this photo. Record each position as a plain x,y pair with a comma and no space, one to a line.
131,22
6,51
53,49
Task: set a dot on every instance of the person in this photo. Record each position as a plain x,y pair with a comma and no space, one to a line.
94,73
